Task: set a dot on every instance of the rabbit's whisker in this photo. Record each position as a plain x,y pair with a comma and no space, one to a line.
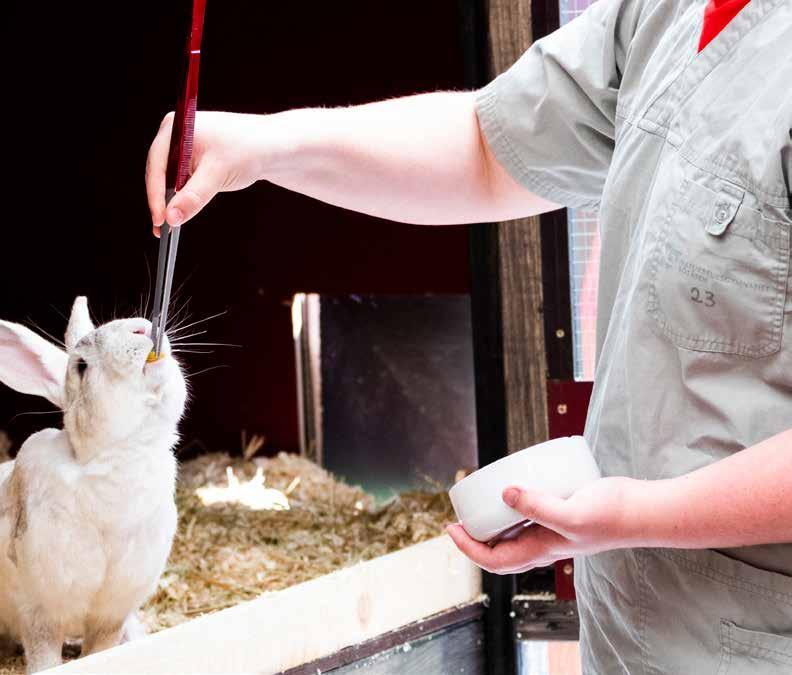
59,313
147,295
204,344
177,338
179,314
195,323
178,324
49,335
206,370
180,288
31,412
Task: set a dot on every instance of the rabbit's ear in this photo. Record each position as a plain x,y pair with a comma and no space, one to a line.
80,323
31,365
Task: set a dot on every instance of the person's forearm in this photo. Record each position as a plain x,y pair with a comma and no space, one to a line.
743,500
420,159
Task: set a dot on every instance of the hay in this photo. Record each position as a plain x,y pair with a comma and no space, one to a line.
227,552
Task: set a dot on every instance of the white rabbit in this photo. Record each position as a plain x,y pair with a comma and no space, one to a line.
87,515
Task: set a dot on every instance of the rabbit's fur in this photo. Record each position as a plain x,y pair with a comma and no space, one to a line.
87,514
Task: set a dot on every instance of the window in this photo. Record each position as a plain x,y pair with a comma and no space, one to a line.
584,250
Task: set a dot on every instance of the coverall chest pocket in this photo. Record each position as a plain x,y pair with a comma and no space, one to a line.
718,271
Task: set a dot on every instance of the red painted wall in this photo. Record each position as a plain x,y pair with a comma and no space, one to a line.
86,90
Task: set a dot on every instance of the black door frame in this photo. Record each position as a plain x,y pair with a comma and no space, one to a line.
488,335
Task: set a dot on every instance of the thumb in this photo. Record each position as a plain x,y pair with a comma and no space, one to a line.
541,508
204,184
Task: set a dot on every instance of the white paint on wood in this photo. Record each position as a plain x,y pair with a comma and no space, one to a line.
305,622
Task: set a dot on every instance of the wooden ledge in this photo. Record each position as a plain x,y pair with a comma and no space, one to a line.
302,624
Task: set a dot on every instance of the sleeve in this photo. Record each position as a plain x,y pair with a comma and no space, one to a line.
550,119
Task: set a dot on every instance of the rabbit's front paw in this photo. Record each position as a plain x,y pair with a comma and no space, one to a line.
133,628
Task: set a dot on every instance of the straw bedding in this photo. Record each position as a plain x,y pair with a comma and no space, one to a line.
252,526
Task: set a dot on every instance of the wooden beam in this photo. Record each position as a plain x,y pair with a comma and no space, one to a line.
509,330
510,32
520,265
524,360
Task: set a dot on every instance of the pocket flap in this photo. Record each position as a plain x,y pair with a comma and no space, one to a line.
714,204
766,646
726,204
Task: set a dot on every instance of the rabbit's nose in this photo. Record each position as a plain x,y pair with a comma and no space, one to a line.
139,327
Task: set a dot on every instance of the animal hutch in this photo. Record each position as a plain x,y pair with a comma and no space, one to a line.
425,608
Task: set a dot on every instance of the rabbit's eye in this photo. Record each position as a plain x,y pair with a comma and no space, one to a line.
81,366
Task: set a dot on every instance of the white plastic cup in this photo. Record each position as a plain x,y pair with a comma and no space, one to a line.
559,467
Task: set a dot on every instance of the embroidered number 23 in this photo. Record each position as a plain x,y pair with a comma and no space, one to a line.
706,298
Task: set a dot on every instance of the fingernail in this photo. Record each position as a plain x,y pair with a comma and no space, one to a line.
175,217
511,496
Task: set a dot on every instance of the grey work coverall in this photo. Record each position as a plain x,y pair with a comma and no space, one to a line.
688,158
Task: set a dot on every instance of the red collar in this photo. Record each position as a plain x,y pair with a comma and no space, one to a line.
717,15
